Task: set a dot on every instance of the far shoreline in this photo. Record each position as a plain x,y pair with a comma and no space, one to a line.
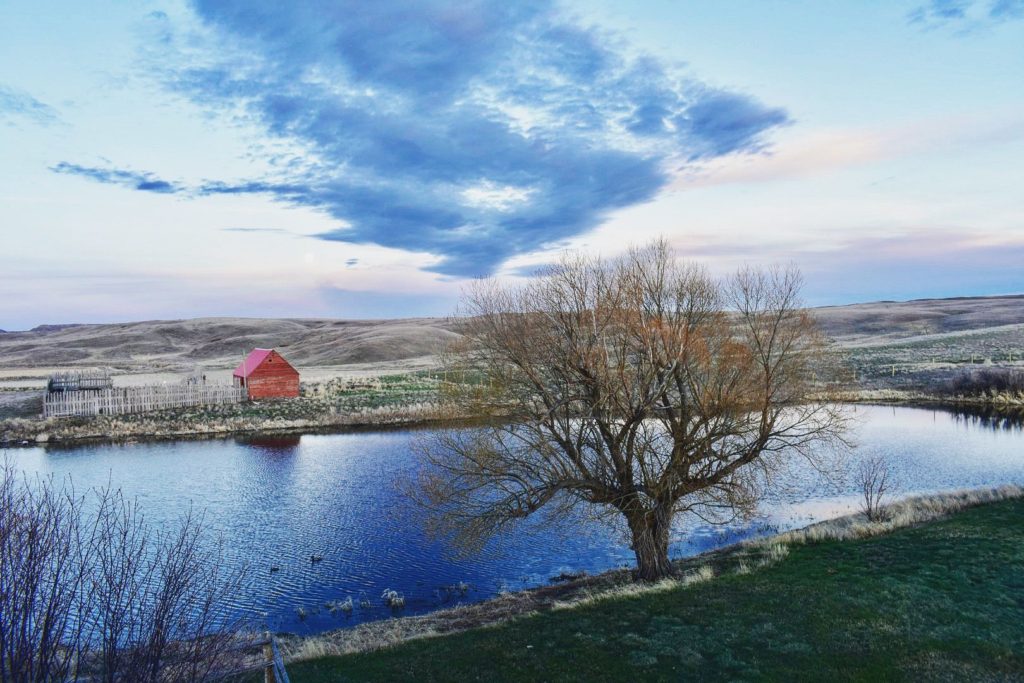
35,432
208,435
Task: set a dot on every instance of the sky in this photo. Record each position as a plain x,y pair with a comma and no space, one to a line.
164,160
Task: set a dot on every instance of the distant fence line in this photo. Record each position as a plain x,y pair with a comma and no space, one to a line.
124,400
76,380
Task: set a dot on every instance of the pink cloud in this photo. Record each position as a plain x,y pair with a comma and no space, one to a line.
818,151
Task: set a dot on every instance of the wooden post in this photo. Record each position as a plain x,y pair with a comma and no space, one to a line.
268,661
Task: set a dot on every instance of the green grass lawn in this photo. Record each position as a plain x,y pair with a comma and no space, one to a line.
943,601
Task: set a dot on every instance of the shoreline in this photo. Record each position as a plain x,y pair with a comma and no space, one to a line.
341,427
902,397
202,423
737,558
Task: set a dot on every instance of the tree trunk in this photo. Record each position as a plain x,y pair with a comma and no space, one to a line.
650,544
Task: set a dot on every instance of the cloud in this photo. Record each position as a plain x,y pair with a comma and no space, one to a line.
473,131
965,14
142,181
723,122
940,11
17,103
213,187
147,181
1006,9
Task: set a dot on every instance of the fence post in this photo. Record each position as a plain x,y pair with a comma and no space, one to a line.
279,671
268,661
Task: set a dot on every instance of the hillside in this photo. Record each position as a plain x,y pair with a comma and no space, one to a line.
208,344
884,322
185,345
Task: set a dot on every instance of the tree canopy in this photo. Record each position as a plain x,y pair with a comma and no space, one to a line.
640,386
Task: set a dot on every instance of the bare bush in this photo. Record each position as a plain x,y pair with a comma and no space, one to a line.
877,486
988,382
89,590
44,568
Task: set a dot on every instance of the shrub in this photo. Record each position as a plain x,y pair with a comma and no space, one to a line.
877,484
89,591
991,381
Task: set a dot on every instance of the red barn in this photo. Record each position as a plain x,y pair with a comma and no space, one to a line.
267,375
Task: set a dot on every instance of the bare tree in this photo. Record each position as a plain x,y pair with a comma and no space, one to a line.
641,387
89,590
877,485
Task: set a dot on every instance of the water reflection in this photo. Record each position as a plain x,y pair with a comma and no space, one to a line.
1008,419
277,501
284,443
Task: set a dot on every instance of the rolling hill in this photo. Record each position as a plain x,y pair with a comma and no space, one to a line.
218,343
183,345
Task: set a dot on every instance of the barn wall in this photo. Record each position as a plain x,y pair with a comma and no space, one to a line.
273,387
273,378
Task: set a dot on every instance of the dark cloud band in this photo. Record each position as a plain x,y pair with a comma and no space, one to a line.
145,182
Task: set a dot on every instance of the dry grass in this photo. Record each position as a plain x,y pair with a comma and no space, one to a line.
590,597
375,635
904,513
998,400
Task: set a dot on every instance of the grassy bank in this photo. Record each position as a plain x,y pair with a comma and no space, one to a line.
943,600
264,417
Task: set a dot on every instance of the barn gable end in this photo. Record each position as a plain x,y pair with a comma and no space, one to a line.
266,374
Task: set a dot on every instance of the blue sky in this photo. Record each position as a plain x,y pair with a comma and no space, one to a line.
259,158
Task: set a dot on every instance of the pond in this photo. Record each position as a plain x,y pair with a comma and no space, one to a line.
277,501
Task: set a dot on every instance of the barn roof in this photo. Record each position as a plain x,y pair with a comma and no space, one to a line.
251,362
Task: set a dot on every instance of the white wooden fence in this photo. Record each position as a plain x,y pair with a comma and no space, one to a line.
123,400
